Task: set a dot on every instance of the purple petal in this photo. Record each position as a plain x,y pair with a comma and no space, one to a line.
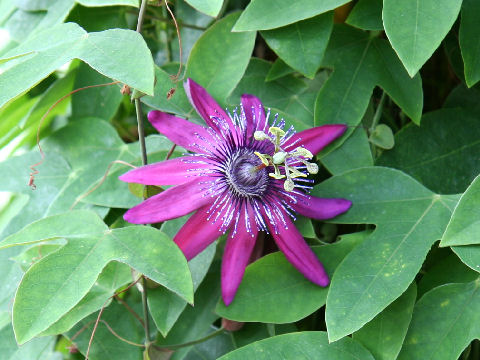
169,172
191,136
172,203
236,256
205,105
315,139
320,208
254,113
298,253
197,233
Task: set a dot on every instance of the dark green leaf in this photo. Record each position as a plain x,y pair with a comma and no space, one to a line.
469,34
454,311
470,255
220,74
448,270
384,335
416,28
273,291
409,219
271,14
279,69
445,144
354,153
306,345
366,15
302,44
360,63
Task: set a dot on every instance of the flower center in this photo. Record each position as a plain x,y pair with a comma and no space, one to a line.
243,175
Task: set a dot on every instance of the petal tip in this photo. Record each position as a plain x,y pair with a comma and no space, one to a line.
227,297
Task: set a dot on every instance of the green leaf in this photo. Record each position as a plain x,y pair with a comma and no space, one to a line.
416,28
220,74
279,69
354,153
209,7
380,269
195,322
464,226
384,335
54,285
108,2
469,254
306,345
108,52
178,103
448,270
101,102
166,307
113,276
382,137
366,15
105,346
273,291
63,179
271,14
446,143
302,44
41,348
454,309
469,44
360,63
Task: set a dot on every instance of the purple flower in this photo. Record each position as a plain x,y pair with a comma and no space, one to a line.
244,176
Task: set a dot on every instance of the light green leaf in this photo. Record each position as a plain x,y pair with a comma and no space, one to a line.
354,153
464,226
446,143
468,37
220,74
384,335
41,348
271,14
469,254
360,63
454,311
416,28
209,7
108,52
273,291
382,137
54,285
302,44
409,219
108,2
166,307
366,15
101,102
301,345
113,276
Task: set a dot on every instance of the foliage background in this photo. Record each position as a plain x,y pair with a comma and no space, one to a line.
404,260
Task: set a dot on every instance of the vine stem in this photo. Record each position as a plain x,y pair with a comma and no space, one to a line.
190,343
143,150
378,112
